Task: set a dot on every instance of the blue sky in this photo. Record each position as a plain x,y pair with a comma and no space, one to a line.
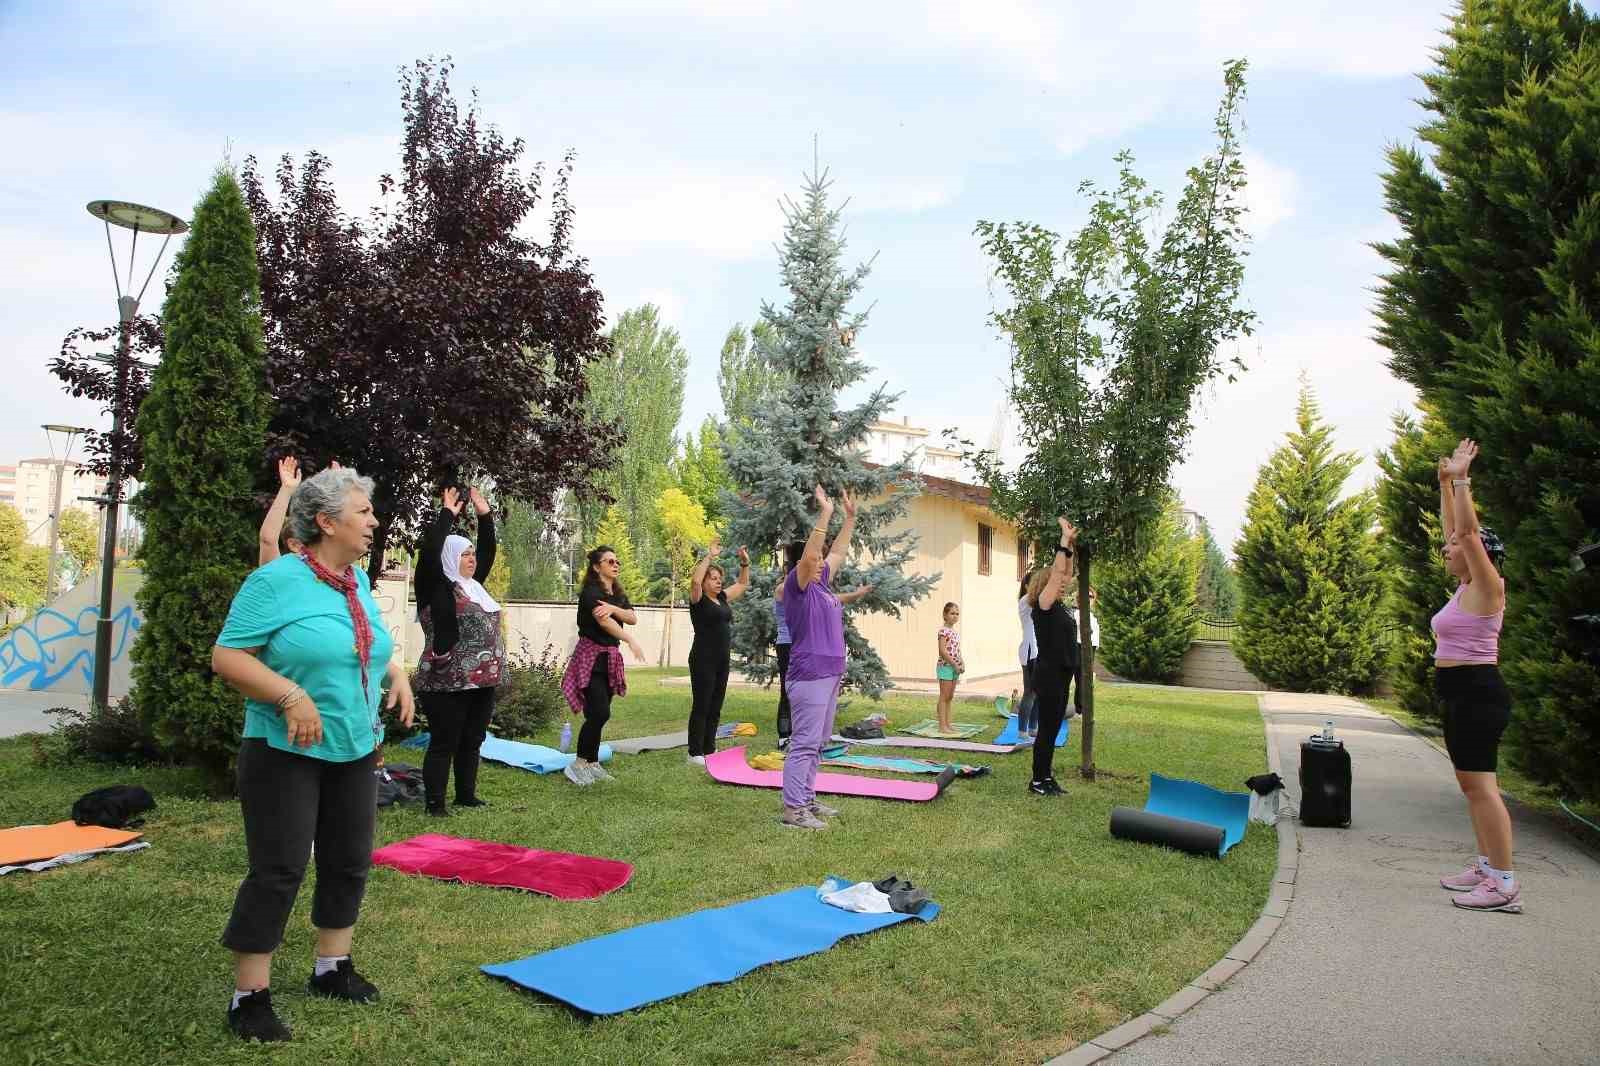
690,121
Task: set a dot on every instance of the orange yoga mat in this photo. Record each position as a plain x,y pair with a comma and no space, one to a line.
36,842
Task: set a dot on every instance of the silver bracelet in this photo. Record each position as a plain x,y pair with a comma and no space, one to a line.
1459,481
290,698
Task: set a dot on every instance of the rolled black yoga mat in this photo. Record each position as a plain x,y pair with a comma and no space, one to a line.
1184,834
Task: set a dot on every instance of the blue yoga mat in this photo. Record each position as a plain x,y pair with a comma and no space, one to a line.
1176,798
633,967
535,757
1008,735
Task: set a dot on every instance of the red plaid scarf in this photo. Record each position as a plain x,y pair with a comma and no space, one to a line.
347,584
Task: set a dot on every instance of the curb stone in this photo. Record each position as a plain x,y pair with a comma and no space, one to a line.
1273,915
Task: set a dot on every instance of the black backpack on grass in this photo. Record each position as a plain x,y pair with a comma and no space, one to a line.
114,807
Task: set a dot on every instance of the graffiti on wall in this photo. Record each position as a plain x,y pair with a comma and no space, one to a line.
53,649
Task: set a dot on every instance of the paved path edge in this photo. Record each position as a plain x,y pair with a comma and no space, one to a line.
1191,995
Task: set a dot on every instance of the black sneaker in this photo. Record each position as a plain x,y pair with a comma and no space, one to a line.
473,802
438,810
1055,789
254,1019
343,983
1039,788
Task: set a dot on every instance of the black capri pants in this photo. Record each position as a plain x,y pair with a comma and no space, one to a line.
1477,709
289,801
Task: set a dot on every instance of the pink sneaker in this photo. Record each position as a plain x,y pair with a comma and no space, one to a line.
1465,881
1488,896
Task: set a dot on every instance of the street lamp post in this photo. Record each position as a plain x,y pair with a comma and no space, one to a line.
139,219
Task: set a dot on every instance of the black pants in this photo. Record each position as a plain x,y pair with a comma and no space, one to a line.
708,680
1050,685
596,711
457,724
1477,709
785,725
290,801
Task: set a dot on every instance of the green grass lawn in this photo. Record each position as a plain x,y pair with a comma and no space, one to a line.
1051,931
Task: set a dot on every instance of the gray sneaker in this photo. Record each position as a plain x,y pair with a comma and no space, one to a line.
599,773
822,810
801,818
577,773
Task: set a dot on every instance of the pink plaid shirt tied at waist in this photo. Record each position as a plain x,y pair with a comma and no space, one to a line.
581,667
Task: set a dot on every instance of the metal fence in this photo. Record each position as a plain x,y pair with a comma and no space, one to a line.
1221,629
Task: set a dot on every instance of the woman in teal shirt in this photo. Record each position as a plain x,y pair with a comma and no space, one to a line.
306,644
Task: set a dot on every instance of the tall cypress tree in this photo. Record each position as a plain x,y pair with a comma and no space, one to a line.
1148,606
204,427
1310,569
1217,589
1492,310
801,438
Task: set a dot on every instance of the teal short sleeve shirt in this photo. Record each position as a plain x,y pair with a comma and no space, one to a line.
305,634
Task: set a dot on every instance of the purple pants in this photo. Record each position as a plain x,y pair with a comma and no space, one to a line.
812,705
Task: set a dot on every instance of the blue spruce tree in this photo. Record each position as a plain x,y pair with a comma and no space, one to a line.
801,438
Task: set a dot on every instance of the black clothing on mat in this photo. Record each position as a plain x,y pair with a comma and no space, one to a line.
433,589
114,807
289,802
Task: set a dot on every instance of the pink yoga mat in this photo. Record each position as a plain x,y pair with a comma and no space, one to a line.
730,768
485,862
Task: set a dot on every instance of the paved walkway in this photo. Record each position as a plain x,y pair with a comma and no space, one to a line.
1372,963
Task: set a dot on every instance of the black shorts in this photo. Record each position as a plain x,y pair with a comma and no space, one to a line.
1477,708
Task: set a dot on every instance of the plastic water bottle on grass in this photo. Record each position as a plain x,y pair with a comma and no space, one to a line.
566,735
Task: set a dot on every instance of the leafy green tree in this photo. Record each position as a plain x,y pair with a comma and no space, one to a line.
1113,332
80,539
1148,609
640,384
1491,309
701,469
1218,590
745,377
803,438
21,573
1310,568
682,528
531,550
203,426
613,530
1408,509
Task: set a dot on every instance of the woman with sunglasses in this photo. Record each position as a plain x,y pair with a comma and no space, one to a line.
594,673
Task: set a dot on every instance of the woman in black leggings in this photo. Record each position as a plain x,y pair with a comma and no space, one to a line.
711,614
594,673
1057,662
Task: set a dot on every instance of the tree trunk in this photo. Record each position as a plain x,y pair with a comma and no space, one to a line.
665,657
380,538
1086,674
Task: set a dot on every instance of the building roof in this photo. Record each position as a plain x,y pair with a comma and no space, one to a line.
951,489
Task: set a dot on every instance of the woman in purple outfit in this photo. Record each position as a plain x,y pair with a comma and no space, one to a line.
816,659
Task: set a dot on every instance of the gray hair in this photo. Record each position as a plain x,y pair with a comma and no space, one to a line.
324,493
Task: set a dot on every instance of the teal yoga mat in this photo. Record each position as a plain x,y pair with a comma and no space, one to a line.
1189,805
903,766
632,967
535,757
1008,735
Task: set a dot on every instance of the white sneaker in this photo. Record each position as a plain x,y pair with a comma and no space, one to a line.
577,773
599,773
697,760
801,818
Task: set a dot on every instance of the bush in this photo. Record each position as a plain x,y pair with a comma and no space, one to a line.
530,695
118,733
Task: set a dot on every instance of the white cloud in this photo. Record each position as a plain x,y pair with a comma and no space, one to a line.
1270,195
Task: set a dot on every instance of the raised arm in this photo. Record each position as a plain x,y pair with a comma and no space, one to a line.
697,576
272,525
854,594
841,543
1062,569
741,586
1465,514
1446,519
810,564
430,566
486,541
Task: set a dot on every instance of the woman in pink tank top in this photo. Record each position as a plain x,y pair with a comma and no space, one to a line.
1477,706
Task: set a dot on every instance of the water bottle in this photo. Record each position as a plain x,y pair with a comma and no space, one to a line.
566,735
1327,731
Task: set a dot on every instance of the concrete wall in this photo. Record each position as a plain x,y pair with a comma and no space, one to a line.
53,649
1212,664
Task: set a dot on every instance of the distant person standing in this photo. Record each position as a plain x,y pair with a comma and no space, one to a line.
595,673
949,666
1057,663
1027,652
711,615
